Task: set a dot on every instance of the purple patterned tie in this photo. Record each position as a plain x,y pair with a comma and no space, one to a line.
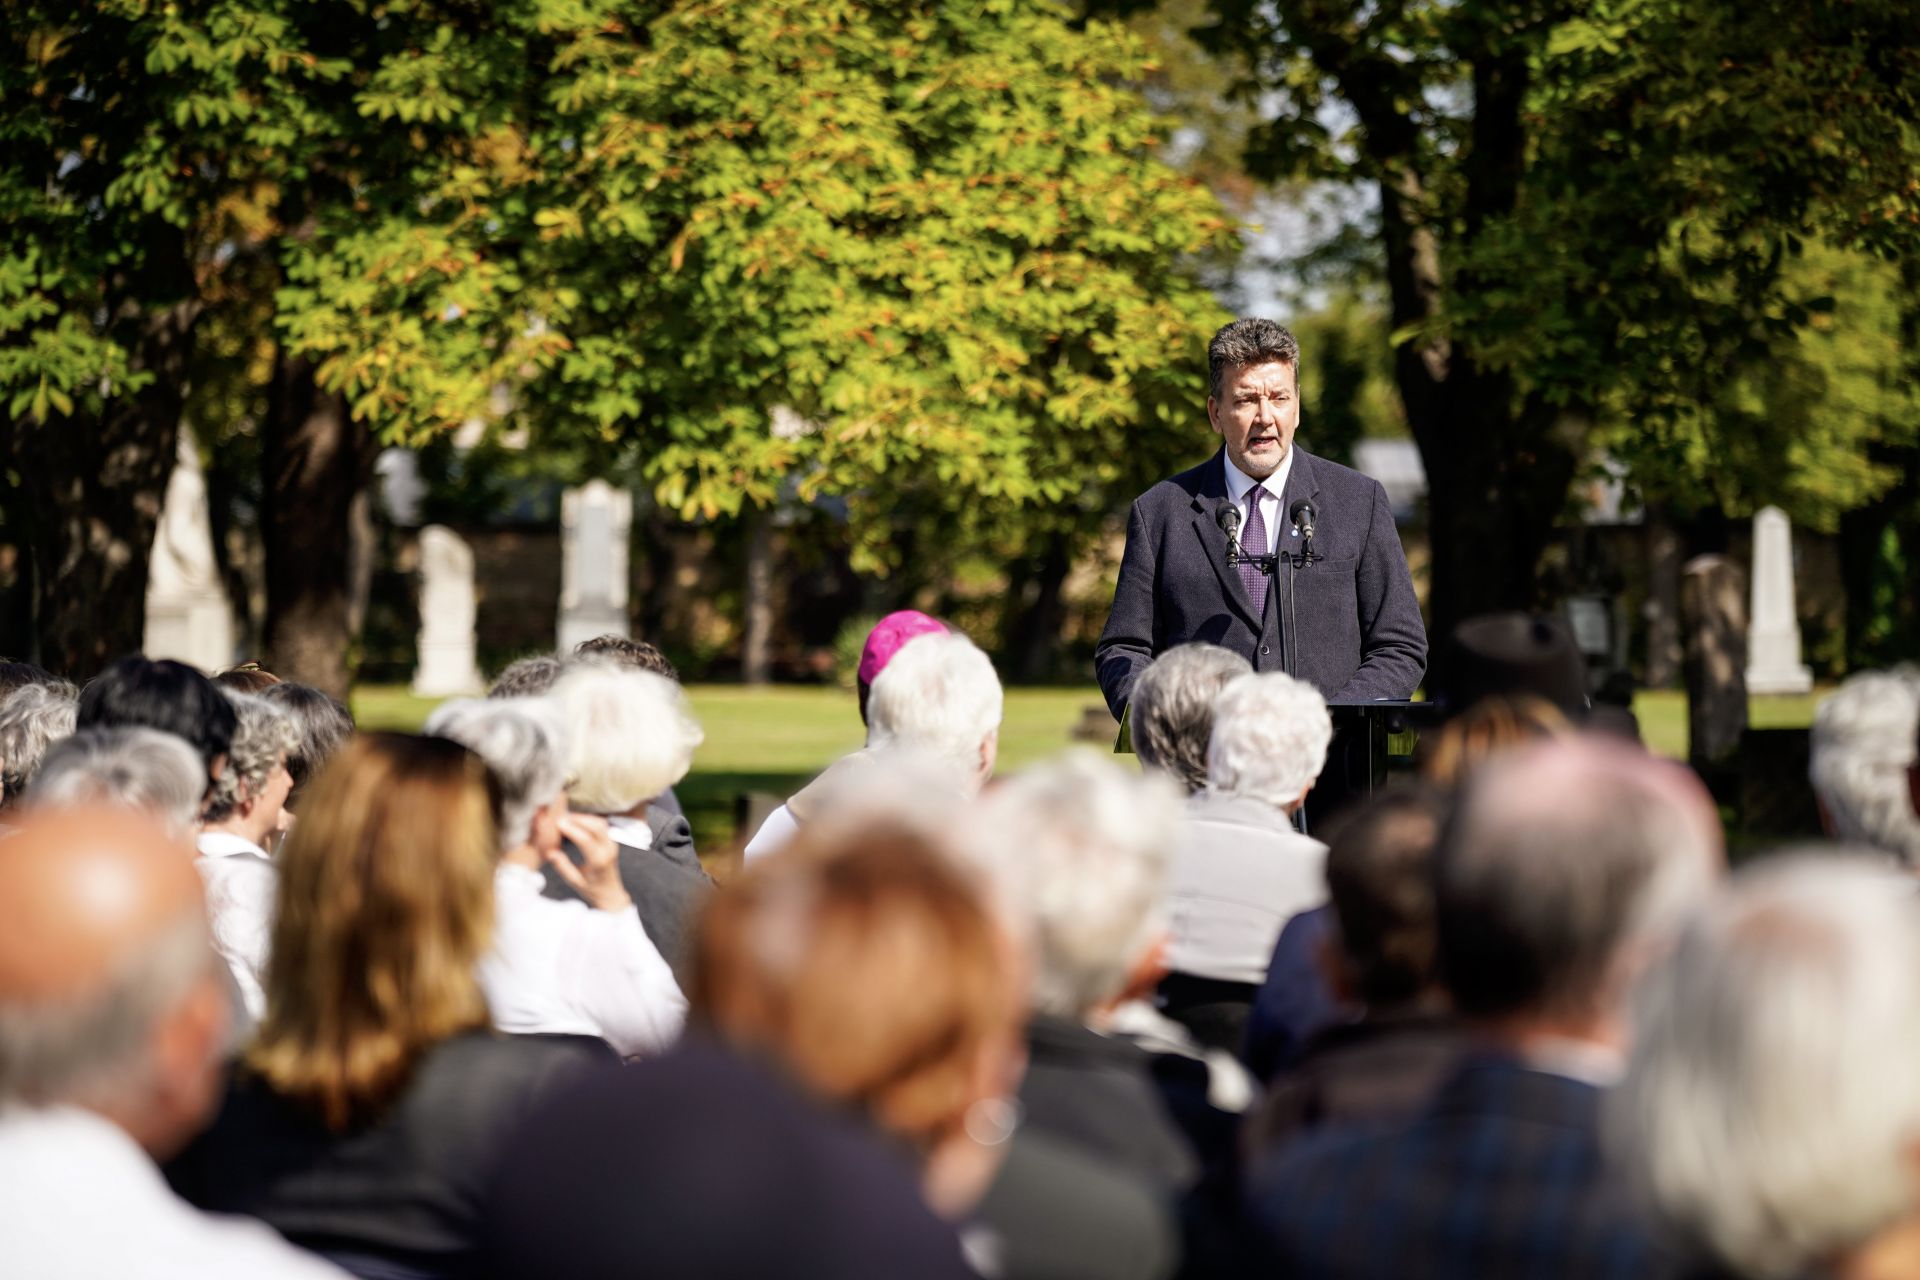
1253,542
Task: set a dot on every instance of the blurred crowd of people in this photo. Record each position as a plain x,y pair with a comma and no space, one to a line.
283,998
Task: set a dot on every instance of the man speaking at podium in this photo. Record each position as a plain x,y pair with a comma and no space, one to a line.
1287,559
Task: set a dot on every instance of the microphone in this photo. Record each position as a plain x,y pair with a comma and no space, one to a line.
1227,516
1301,513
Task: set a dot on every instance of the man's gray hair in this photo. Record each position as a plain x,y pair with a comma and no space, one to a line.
94,1051
1562,862
133,768
1270,736
1078,849
938,697
1170,710
630,734
524,743
1862,746
1250,341
529,677
263,737
32,718
1771,1107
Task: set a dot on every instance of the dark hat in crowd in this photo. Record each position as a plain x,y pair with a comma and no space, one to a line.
1512,655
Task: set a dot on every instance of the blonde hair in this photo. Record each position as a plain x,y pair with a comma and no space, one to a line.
385,906
870,966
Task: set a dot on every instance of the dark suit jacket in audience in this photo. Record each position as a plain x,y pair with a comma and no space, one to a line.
665,881
1054,1213
1377,1070
699,1165
1098,1095
1499,1178
1294,1004
398,1197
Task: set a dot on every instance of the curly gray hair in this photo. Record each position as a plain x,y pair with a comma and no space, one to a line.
263,737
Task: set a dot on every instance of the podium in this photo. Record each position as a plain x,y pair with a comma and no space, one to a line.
1371,742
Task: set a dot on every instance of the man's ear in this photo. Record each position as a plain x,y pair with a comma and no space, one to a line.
1213,413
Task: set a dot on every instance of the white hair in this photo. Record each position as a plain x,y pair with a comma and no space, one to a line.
1078,847
131,767
1771,1107
630,734
1862,745
1270,736
523,741
264,735
939,697
1170,710
32,718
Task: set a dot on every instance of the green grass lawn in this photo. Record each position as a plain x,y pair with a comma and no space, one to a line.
772,739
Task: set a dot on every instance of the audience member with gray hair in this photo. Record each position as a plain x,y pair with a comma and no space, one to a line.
559,967
1863,745
1170,713
112,1026
1770,1116
321,723
1562,872
630,736
240,821
937,699
32,718
1078,848
1240,870
136,769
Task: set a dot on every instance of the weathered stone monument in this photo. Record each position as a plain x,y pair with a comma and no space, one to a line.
447,609
1713,607
188,615
595,521
1773,647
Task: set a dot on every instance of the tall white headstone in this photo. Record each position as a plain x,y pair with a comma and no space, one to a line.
1773,644
595,521
188,615
447,606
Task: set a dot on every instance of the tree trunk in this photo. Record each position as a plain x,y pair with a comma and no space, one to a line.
756,649
315,460
1663,598
1035,612
92,489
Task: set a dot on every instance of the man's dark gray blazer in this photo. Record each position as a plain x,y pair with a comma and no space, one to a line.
1360,631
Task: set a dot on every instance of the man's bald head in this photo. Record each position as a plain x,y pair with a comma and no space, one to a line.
1560,858
108,995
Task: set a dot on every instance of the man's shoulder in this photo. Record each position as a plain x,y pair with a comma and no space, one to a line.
1206,478
1330,476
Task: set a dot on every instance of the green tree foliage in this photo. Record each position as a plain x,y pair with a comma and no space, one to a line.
1581,204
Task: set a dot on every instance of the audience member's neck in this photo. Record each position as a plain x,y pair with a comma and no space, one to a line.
638,813
1544,1039
1894,1254
527,855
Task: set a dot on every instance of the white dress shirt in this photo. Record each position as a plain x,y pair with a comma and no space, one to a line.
79,1200
1275,486
1239,872
563,967
241,884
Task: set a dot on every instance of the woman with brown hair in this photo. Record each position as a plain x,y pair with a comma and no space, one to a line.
362,1120
870,967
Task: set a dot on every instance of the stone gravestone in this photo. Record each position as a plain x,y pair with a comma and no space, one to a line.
595,520
1714,613
447,668
1773,661
188,615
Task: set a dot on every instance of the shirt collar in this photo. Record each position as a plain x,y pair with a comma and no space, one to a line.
225,844
510,875
1238,481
